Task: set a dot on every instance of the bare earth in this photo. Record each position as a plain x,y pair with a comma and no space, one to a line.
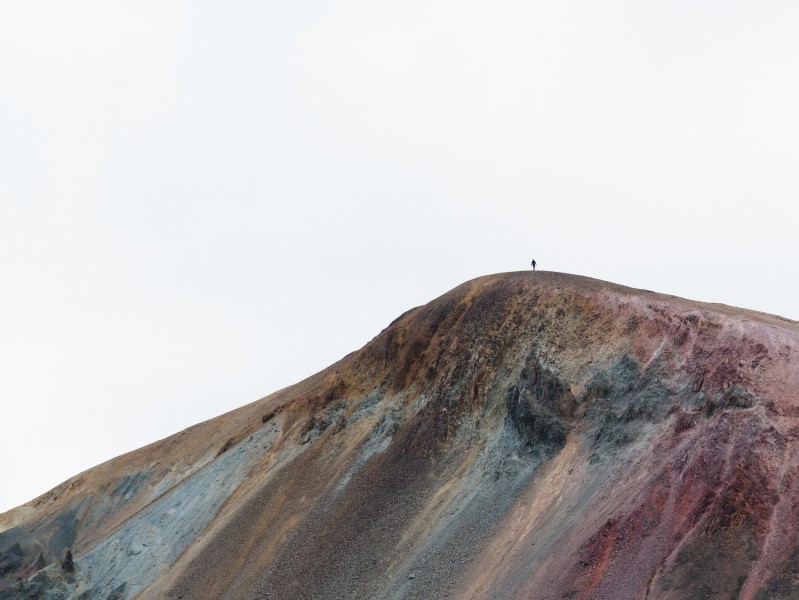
526,435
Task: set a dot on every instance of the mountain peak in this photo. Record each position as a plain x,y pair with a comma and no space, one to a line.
525,435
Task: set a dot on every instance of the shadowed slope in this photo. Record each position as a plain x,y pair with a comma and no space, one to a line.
526,435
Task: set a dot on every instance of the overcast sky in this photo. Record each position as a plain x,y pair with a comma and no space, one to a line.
203,202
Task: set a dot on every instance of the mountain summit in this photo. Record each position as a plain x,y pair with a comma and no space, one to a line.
526,435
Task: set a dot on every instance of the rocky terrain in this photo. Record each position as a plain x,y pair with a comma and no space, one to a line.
526,435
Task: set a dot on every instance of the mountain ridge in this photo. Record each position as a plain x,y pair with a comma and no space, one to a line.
419,451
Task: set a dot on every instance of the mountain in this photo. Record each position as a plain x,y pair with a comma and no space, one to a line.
526,435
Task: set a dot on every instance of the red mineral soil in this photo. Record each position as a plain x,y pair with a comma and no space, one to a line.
524,436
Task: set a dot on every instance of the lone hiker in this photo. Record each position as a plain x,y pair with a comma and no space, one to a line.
533,264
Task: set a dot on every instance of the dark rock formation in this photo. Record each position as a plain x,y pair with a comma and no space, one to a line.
67,564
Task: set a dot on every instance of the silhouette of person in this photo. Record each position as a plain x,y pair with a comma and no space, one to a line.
533,264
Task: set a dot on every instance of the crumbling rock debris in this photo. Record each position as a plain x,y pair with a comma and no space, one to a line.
531,405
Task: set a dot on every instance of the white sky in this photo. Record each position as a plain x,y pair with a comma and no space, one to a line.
201,203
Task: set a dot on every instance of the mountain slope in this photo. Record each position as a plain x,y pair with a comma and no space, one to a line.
526,435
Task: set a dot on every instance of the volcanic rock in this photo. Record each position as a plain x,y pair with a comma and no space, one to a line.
67,564
11,560
524,436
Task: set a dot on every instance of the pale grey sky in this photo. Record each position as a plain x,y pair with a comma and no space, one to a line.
202,202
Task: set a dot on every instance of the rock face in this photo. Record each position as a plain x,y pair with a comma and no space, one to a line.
526,435
67,563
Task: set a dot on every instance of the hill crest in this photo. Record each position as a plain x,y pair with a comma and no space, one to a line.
551,428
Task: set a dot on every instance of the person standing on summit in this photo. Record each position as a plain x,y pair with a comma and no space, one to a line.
533,264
